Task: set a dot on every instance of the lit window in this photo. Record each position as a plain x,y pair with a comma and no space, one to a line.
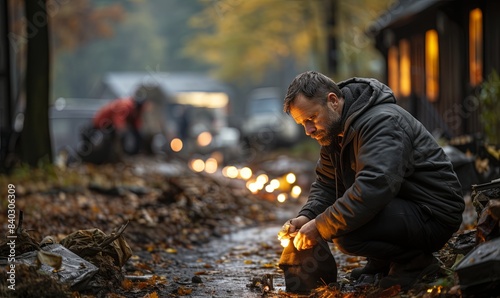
404,68
431,65
476,46
393,73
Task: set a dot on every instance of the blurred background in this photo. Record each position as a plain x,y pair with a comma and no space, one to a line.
215,72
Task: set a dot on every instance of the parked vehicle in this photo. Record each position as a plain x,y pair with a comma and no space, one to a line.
200,128
265,124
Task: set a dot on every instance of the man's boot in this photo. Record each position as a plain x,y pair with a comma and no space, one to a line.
372,267
408,274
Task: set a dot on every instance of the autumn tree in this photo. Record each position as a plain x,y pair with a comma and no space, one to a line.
244,39
356,51
137,44
247,38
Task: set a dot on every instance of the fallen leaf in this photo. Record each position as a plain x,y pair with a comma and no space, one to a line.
127,284
171,250
151,295
184,291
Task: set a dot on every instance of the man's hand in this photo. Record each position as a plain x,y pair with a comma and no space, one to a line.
307,237
294,225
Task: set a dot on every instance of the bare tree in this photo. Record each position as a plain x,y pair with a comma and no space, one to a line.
35,136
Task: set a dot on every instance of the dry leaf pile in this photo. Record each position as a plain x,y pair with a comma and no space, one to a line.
164,211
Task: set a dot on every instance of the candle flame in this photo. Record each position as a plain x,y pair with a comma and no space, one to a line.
285,242
283,235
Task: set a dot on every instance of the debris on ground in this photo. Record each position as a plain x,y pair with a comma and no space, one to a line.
161,212
145,231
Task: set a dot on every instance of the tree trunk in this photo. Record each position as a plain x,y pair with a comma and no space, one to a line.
5,86
35,137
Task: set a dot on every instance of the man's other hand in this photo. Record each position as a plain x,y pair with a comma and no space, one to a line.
307,237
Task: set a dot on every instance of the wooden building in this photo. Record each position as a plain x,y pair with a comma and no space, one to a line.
438,52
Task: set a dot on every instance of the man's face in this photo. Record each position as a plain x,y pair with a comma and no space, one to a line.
321,122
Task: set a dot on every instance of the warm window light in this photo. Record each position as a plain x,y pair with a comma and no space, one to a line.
404,68
203,99
431,65
476,47
393,73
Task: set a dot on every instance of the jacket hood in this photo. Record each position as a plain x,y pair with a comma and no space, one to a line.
360,94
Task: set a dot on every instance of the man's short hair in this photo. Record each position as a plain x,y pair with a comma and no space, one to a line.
313,85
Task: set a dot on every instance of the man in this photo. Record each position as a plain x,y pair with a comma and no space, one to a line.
384,188
119,124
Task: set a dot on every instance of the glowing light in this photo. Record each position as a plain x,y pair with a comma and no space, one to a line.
253,187
404,67
296,191
230,172
435,290
203,99
275,183
291,178
259,185
198,165
204,139
281,197
211,165
285,242
262,179
246,173
269,188
176,145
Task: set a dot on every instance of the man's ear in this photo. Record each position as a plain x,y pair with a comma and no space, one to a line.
333,99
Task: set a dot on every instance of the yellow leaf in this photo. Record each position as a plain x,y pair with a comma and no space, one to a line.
171,250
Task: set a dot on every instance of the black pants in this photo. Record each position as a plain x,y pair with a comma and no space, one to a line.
401,231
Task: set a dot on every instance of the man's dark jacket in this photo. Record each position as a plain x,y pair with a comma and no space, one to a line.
384,153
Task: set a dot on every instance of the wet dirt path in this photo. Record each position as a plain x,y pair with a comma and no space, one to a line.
234,261
224,267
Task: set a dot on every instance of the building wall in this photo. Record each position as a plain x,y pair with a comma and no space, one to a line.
456,110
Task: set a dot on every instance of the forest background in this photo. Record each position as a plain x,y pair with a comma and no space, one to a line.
244,43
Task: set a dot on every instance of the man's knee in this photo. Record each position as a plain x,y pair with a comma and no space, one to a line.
348,245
